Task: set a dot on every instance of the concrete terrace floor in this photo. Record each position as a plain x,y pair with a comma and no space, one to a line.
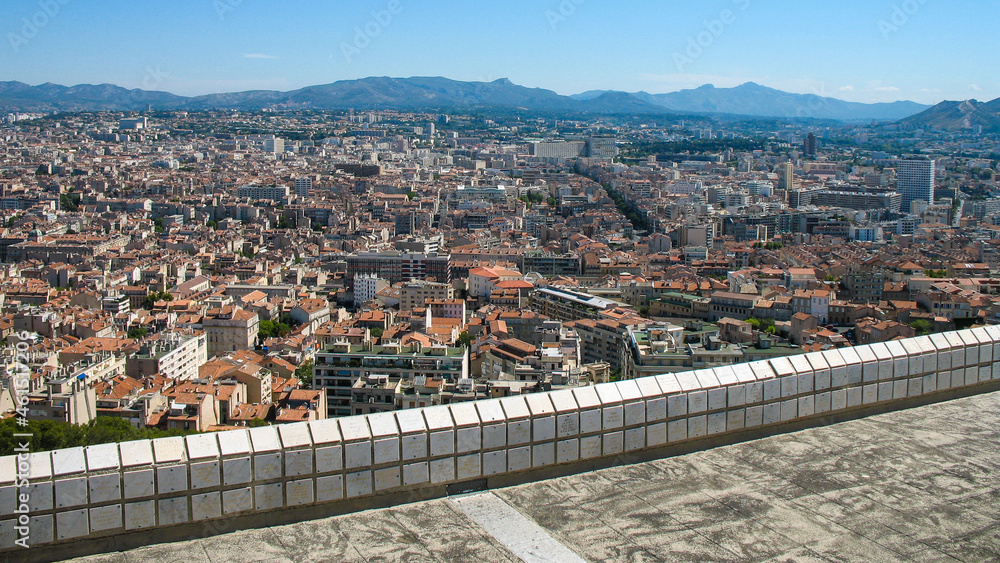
915,485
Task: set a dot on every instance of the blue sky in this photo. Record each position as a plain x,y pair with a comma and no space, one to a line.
858,50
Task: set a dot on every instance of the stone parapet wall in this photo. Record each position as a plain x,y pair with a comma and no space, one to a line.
140,488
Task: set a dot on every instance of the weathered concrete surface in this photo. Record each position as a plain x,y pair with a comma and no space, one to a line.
915,485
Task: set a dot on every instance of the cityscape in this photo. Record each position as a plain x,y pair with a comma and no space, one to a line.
338,285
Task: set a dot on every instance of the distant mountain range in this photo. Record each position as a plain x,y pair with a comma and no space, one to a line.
959,116
443,94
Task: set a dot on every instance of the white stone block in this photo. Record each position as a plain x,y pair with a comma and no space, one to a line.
41,496
442,443
656,434
899,389
590,421
772,413
168,450
755,416
762,370
383,424
782,366
268,466
205,475
438,418
202,446
101,457
236,501
744,373
296,435
677,430
736,419
717,398
853,397
915,387
469,440
72,524
985,373
416,473
726,375
668,383
137,453
807,406
838,400
105,488
885,391
234,471
971,375
737,396
586,398
543,454
590,447
468,466
806,382
944,380
411,421
772,390
172,511
519,459
139,484
206,506
707,378
688,381
388,478
518,432
355,428
326,431
870,394
716,423
540,404
386,450
697,402
490,412
677,405
358,483
42,529
564,401
515,407
139,515
568,424
635,439
494,462
823,402
236,442
568,451
268,497
825,378
697,426
544,429
68,461
298,463
494,436
414,447
357,454
789,410
614,443
789,386
656,409
613,417
171,479
329,488
265,439
755,393
442,470
957,378
929,383
648,388
104,518
635,413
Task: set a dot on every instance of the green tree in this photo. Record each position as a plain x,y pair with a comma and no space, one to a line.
137,332
305,374
258,422
922,326
150,300
377,332
465,339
